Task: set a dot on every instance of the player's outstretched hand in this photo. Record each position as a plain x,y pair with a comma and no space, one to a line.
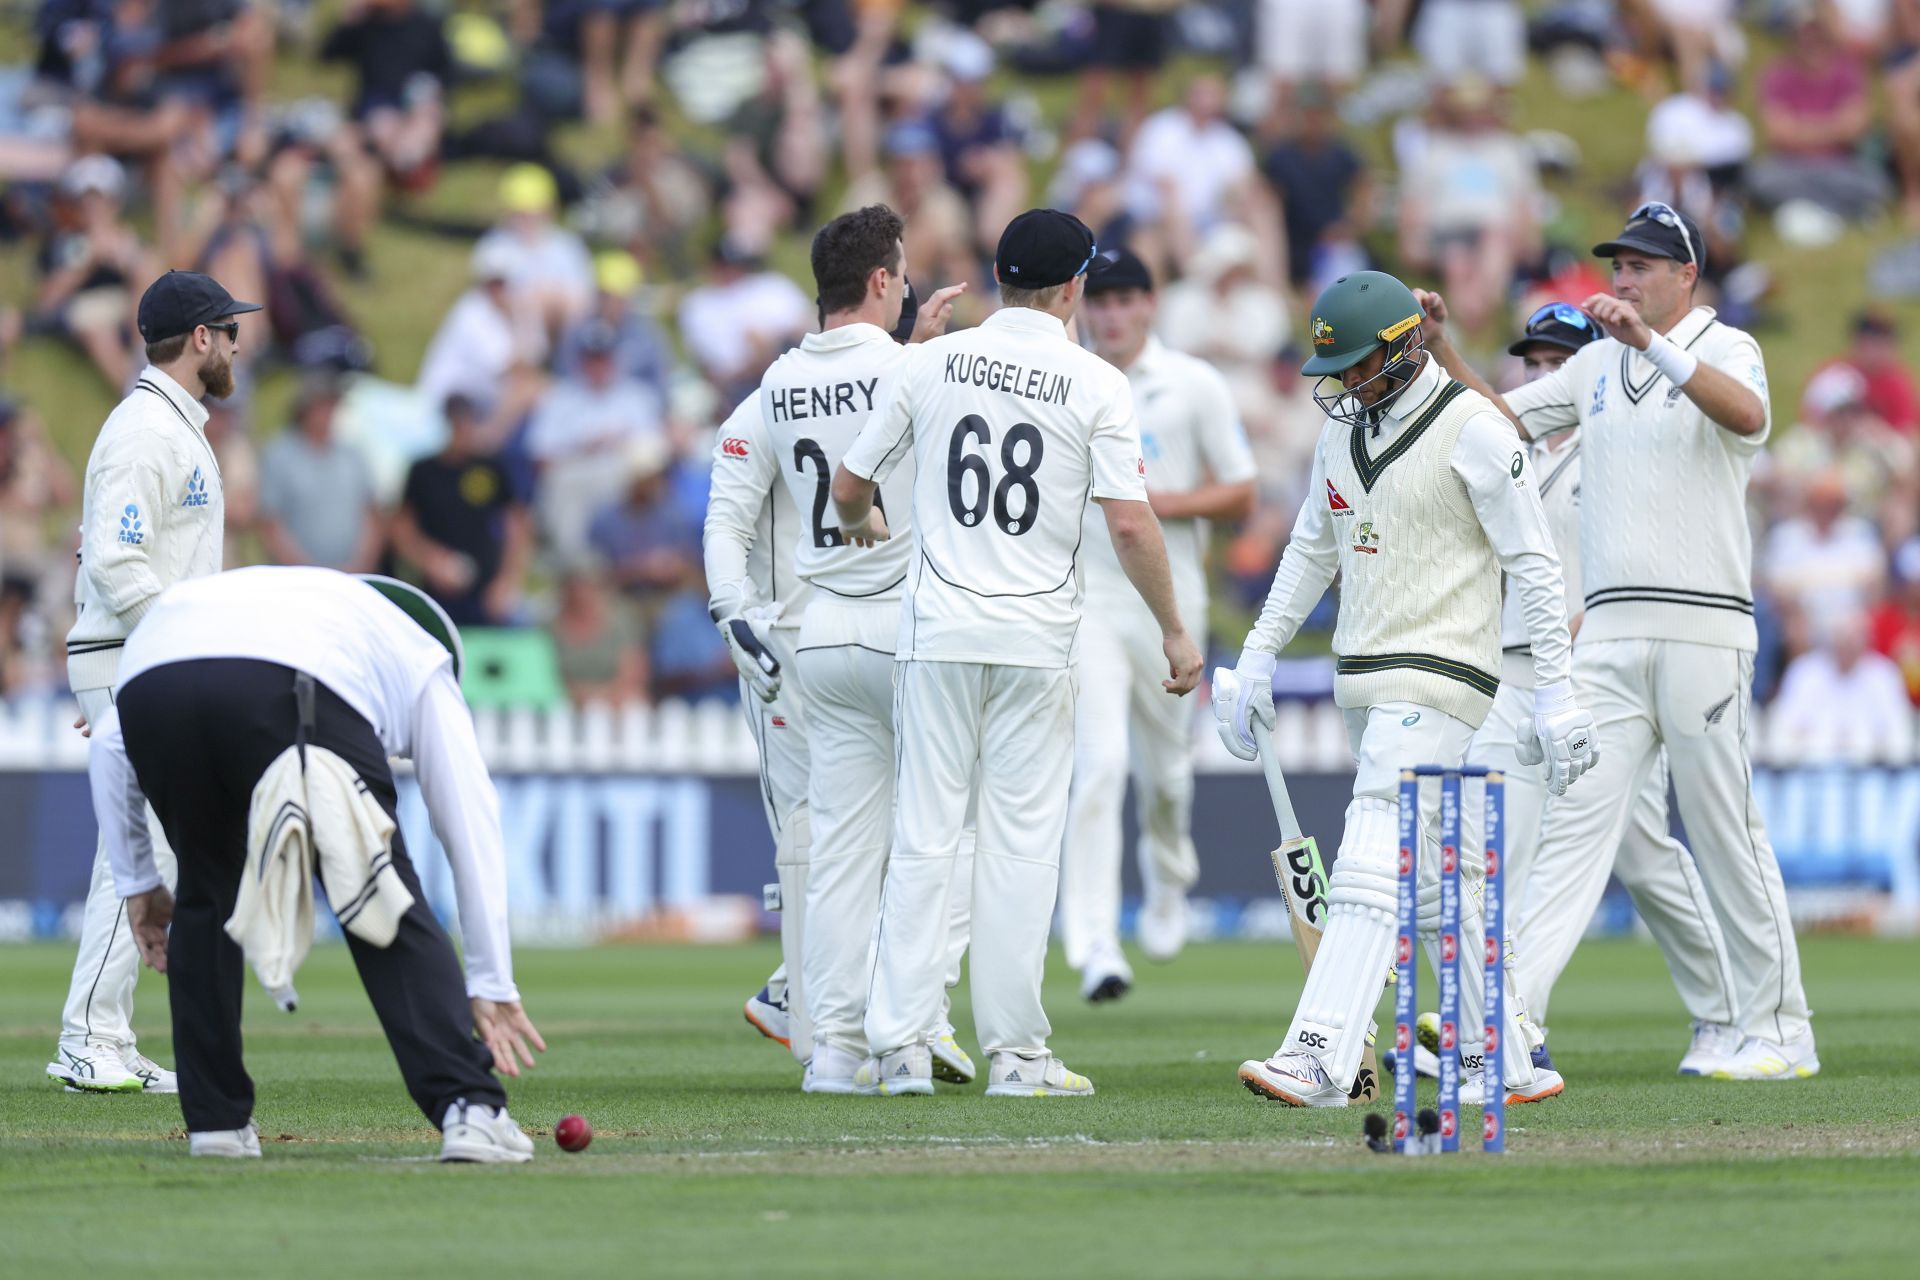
148,915
935,313
1619,319
1562,736
1242,699
503,1026
1434,308
1184,661
869,531
746,637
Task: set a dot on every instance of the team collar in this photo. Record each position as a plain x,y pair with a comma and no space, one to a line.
1149,358
847,335
1690,326
1025,318
1411,401
159,381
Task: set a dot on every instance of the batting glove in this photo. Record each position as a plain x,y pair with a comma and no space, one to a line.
746,637
1243,698
1561,736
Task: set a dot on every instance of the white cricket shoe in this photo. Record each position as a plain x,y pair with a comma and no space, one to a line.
1106,975
1714,1046
229,1144
1546,1083
478,1134
1760,1059
1162,926
951,1065
154,1078
1016,1076
768,1018
833,1070
1295,1078
902,1072
93,1066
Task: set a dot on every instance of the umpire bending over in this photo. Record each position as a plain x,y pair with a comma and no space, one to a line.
219,679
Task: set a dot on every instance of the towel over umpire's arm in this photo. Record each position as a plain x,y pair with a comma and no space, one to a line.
210,696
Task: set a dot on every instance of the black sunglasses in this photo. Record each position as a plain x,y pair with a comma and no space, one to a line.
1667,216
231,328
1562,312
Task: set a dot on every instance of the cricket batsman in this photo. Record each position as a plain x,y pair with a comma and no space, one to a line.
1672,409
1199,468
1420,496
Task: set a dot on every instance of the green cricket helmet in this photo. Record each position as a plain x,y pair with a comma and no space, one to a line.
1352,318
425,611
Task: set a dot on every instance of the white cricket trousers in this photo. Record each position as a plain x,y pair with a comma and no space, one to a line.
779,731
846,659
1125,723
1010,728
1694,698
1655,868
100,995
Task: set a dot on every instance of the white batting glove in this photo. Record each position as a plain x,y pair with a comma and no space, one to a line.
1242,699
1562,736
746,636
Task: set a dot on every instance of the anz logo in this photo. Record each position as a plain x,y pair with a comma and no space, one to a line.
130,532
196,490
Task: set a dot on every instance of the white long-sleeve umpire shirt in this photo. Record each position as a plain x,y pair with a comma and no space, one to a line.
355,642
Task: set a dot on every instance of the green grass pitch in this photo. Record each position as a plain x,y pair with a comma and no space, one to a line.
708,1160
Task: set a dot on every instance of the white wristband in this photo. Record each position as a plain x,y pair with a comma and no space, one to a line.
1669,359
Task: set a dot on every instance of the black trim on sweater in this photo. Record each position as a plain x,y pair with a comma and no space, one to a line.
1369,664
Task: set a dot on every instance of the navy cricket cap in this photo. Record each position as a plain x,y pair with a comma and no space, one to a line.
1042,248
1124,270
1659,229
181,300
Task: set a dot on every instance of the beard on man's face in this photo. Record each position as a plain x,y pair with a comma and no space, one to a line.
216,374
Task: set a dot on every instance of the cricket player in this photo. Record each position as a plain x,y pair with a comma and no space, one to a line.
223,678
763,519
813,402
1419,496
152,514
1199,468
1012,428
1656,868
1672,407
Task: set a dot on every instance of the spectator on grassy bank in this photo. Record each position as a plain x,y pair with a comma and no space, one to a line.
1841,702
1325,194
463,529
579,432
92,267
402,68
316,491
599,645
1814,116
489,348
640,350
740,318
1874,352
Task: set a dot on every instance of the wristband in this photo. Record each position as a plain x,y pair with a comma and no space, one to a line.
1551,698
1669,359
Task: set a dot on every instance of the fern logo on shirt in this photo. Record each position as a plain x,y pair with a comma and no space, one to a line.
130,532
196,490
1598,405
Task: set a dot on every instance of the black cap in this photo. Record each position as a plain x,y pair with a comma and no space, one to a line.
598,338
1558,324
1042,248
180,300
1124,270
1662,231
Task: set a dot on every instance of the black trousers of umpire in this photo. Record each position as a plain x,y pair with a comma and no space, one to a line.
200,734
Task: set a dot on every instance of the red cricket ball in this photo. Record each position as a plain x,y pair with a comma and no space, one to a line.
573,1133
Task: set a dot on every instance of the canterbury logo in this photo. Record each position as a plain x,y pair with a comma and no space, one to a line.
734,447
1718,710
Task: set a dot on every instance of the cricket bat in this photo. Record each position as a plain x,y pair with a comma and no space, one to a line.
1302,878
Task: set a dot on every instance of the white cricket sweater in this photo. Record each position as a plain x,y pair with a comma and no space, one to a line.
1557,467
152,513
1419,521
1664,546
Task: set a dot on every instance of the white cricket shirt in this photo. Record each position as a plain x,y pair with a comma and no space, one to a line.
1013,430
1555,464
1665,552
381,663
1190,434
747,545
813,403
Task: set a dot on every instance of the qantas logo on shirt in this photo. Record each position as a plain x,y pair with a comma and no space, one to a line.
1335,503
733,447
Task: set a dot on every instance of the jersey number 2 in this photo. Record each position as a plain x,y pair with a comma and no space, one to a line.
1018,475
806,452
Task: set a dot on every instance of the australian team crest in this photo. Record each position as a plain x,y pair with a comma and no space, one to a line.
1365,540
1322,332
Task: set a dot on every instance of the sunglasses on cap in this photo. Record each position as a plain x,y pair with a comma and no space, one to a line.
1561,313
1667,216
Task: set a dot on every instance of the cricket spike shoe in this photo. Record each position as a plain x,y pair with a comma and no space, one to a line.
903,1072
474,1133
1772,1060
1015,1075
769,1018
1545,1084
93,1066
832,1070
1161,928
1295,1078
951,1065
1106,975
1714,1046
154,1078
226,1144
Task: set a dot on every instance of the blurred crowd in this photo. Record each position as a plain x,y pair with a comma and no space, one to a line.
544,465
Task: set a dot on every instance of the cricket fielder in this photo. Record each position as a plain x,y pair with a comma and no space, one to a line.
813,402
152,513
1013,428
1420,495
1672,407
1199,468
1655,867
